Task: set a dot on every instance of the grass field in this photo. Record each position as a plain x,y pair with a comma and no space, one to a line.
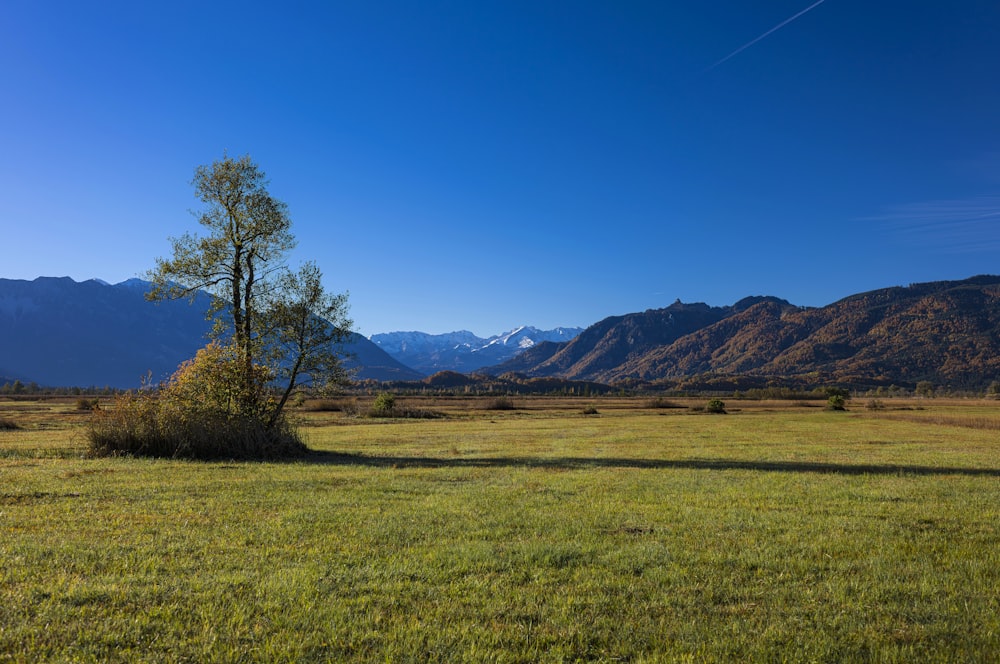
775,533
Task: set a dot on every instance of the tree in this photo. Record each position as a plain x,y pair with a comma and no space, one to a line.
716,406
304,334
280,325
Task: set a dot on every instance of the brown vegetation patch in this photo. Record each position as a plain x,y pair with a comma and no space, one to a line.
32,497
967,421
327,406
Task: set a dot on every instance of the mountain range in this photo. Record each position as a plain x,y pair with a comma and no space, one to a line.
944,332
463,351
58,332
55,331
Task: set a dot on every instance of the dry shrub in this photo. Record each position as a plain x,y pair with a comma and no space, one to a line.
660,402
967,421
148,425
325,406
7,424
417,413
500,403
198,414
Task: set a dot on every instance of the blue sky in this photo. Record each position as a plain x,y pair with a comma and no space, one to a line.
482,165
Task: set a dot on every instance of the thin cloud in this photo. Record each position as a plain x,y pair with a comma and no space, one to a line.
958,226
772,30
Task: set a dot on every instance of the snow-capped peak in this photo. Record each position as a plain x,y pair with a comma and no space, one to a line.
463,350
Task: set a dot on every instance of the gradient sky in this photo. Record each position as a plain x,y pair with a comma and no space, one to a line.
482,165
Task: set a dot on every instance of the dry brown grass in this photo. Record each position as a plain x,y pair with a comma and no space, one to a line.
970,421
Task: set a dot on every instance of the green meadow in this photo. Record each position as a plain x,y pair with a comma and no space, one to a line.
777,532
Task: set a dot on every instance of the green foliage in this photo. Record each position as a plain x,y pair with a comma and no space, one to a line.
384,405
271,315
836,402
924,388
716,406
277,326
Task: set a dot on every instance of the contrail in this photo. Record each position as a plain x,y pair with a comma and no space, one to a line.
775,28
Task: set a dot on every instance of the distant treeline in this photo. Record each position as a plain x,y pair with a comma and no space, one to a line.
448,383
18,388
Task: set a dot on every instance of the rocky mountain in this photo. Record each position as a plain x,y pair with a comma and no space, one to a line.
59,332
463,351
944,332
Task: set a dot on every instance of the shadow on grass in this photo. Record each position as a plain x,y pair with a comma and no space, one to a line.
580,463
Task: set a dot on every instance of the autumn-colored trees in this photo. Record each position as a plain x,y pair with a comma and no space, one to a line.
275,329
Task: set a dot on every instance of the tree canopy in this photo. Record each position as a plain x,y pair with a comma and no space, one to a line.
279,326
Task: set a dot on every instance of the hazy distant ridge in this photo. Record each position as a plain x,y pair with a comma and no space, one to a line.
59,332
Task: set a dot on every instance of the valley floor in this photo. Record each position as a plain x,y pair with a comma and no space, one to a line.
780,531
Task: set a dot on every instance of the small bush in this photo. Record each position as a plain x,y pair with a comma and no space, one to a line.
590,410
8,424
500,403
875,404
716,406
836,402
84,403
384,406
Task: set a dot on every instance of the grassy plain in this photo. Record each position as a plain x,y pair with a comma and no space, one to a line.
775,533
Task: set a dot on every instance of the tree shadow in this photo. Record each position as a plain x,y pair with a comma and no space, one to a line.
583,463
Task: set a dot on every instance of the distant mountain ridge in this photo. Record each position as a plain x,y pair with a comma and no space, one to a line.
463,351
58,332
945,332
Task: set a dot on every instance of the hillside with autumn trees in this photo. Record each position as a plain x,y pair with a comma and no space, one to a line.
947,333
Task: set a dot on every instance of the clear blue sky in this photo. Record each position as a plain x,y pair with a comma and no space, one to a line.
486,164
